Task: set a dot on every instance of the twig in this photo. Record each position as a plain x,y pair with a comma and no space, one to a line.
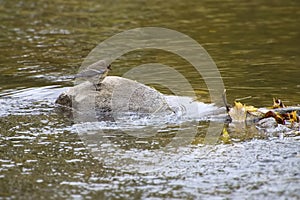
228,106
243,98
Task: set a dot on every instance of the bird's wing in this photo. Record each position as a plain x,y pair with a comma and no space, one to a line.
89,73
99,65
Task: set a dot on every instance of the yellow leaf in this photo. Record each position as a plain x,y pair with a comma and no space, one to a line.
238,112
225,136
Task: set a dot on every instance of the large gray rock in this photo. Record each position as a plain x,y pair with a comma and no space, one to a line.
114,97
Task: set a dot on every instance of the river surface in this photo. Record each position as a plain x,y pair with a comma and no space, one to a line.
46,155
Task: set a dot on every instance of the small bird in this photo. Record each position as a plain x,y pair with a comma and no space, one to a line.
95,73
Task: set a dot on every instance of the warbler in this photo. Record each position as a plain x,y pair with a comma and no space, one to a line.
95,73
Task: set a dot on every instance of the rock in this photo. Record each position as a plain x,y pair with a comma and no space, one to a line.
114,96
267,123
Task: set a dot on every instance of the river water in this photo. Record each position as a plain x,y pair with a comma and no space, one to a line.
43,155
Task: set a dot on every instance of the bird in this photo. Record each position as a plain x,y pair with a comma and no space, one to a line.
95,73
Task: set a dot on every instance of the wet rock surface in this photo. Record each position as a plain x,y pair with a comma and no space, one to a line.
114,95
267,123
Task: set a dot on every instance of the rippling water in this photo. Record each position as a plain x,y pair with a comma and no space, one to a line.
43,155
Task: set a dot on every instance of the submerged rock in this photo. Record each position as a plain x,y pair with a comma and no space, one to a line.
267,123
114,96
